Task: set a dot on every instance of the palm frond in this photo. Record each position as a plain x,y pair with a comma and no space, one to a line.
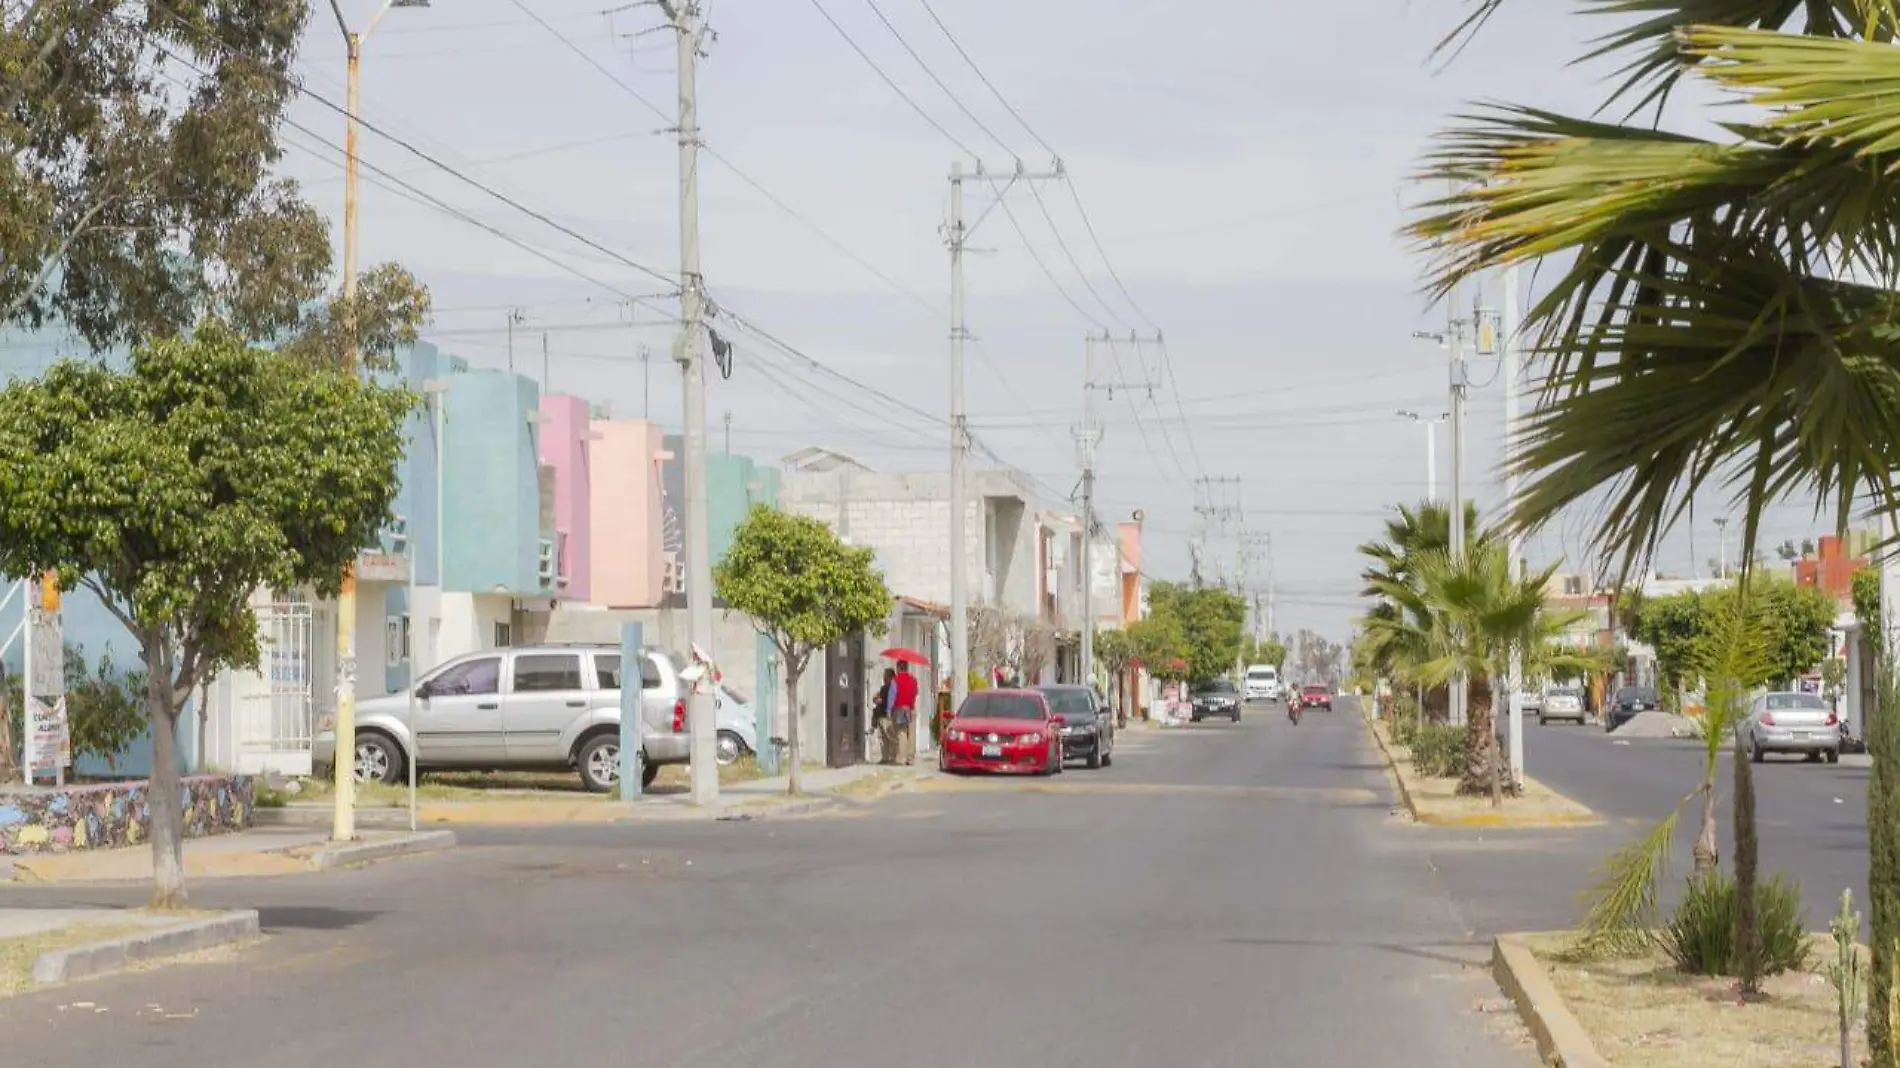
1621,904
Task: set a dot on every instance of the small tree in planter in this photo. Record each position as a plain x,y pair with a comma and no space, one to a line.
803,589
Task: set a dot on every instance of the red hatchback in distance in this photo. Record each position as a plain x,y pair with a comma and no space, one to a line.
1003,730
1314,695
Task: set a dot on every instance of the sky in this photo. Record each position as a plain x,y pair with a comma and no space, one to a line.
1245,170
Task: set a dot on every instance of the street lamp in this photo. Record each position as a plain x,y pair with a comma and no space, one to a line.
343,826
1430,423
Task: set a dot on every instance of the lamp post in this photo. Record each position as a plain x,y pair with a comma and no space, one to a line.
343,827
1430,423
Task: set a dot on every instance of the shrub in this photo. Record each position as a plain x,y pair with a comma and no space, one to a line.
1438,750
1702,937
1402,723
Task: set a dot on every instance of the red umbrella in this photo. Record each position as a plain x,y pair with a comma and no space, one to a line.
905,656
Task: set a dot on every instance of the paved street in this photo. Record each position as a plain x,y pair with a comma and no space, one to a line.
1224,895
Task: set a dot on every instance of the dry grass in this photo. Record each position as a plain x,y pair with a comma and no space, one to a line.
1642,1013
1436,800
512,786
872,786
18,954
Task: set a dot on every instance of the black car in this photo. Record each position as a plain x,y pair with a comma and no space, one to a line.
1088,728
1215,697
1626,703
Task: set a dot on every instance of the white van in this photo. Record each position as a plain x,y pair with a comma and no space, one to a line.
1263,683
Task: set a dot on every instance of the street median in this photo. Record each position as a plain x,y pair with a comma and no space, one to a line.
1594,1012
1435,802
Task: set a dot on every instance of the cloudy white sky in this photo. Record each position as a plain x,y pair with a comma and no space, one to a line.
1244,165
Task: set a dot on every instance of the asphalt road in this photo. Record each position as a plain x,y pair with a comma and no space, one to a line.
1812,818
1223,895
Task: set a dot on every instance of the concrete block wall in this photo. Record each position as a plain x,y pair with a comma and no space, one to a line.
905,519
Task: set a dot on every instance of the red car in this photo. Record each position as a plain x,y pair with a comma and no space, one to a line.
1003,730
1316,696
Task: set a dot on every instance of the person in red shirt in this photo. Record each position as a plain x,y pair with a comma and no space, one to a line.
904,714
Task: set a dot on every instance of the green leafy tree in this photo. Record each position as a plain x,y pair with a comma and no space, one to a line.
803,589
1272,651
174,489
136,195
105,708
1797,620
1883,869
1114,652
1866,596
1160,643
1212,621
1672,626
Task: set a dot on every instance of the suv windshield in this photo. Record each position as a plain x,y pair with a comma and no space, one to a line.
1001,706
1069,702
1315,689
1636,693
1216,686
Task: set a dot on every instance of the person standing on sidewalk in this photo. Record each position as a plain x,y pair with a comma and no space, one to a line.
904,714
881,719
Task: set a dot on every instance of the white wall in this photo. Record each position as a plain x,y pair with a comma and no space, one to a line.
468,622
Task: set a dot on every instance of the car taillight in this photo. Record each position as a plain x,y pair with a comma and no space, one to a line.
679,716
1767,719
1833,720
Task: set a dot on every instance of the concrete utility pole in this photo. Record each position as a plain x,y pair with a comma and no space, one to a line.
1431,447
684,17
957,236
1509,330
1222,514
343,821
1088,436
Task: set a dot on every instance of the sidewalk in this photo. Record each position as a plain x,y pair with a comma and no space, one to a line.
825,788
255,853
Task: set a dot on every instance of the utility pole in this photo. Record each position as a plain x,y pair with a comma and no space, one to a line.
957,236
547,365
728,421
684,17
1205,509
1088,436
514,316
1509,329
343,821
1721,524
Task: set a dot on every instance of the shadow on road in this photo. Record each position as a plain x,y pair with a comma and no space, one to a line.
311,918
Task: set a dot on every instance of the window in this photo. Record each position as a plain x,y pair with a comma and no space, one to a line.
476,677
545,672
607,667
392,641
504,635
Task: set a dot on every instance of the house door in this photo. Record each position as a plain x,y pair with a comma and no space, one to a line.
276,721
844,703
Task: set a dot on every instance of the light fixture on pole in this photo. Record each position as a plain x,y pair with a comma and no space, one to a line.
1430,423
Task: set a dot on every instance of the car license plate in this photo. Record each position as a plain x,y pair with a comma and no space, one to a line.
992,750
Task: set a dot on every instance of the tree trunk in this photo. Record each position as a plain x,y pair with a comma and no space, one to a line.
1480,746
167,809
1706,855
1748,929
204,722
7,770
797,773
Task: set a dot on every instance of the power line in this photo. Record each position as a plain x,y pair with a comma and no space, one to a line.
895,88
954,99
984,78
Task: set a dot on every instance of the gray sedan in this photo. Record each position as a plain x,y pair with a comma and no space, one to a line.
1791,722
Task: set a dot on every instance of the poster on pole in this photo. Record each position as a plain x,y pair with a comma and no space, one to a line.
48,741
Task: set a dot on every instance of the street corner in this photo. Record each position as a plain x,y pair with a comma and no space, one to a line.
43,947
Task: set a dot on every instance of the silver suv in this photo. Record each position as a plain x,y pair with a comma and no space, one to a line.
538,706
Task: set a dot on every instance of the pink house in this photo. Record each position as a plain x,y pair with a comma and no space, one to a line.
626,514
566,447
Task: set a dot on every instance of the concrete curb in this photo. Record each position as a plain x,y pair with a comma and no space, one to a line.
113,954
1560,1037
341,856
1477,820
1392,767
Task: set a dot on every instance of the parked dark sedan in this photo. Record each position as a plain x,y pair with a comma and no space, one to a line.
1088,730
1627,702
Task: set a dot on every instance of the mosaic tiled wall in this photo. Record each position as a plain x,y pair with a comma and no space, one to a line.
106,815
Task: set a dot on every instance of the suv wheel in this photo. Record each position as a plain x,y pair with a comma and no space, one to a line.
378,760
729,748
599,763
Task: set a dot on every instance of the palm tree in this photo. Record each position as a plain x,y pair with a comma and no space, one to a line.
1390,577
1720,307
1470,615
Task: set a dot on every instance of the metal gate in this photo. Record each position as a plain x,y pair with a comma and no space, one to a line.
844,703
280,718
